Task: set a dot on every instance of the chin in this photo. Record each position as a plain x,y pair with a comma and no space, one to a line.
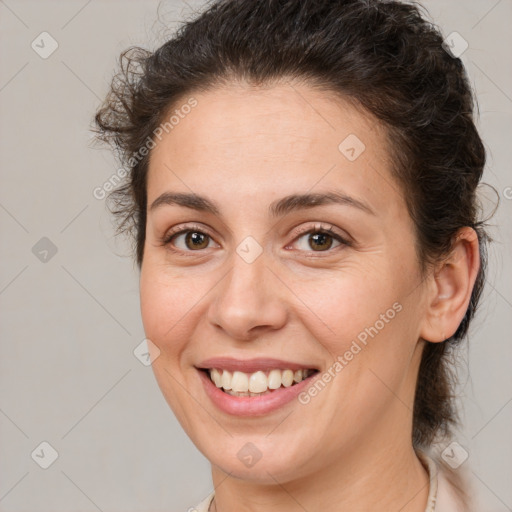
243,460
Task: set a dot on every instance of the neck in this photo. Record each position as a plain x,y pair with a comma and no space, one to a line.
374,478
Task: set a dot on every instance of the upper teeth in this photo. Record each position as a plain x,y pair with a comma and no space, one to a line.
256,382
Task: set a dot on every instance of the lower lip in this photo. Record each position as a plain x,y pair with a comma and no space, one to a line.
255,405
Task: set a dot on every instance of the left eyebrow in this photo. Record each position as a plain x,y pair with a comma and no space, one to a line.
299,201
276,209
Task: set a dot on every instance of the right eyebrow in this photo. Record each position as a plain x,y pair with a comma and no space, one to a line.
193,201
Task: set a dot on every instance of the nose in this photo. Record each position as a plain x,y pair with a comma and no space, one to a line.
248,301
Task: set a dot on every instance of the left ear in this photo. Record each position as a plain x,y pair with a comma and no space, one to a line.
451,287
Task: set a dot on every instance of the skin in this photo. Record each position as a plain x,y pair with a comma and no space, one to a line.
350,447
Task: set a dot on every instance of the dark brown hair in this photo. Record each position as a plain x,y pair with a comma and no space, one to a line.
382,55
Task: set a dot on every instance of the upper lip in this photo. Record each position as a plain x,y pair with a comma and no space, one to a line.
251,365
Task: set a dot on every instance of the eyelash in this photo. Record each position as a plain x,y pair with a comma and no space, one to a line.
317,229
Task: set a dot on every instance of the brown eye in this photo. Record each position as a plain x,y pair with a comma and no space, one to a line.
320,241
195,240
189,240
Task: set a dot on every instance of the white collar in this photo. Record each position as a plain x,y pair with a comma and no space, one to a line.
431,468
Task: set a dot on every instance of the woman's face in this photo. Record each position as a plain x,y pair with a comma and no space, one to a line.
256,277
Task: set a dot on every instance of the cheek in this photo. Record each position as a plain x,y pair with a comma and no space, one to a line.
364,323
341,309
164,304
173,303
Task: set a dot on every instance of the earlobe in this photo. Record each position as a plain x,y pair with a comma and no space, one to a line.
452,285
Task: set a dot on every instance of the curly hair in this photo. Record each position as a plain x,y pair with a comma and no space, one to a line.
381,55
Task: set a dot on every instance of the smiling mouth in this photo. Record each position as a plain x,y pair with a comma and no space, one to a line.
259,383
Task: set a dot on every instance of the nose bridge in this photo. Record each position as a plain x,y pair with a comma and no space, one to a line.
247,298
243,281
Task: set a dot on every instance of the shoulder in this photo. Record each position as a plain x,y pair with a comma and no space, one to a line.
204,505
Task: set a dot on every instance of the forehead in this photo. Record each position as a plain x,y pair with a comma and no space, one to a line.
283,139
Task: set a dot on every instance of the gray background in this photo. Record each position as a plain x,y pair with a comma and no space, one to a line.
69,324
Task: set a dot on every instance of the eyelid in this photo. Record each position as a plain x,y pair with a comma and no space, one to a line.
185,227
324,228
